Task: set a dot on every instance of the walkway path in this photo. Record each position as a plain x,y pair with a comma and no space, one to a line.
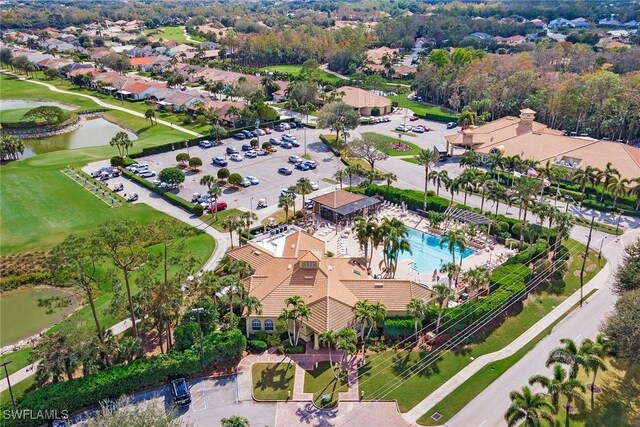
102,103
600,281
325,68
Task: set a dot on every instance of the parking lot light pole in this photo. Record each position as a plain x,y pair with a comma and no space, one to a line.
198,311
6,373
251,205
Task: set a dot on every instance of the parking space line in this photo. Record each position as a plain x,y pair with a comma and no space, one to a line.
199,398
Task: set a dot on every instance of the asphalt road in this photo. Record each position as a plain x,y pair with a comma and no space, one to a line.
488,408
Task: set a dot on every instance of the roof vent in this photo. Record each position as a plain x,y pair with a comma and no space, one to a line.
289,267
330,268
256,253
356,272
308,277
378,285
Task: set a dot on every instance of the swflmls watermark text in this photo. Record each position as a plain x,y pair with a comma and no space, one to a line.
28,414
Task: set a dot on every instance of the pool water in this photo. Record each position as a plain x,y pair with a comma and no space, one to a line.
427,254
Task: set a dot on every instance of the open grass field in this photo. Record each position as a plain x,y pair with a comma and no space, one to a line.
395,367
173,33
272,381
294,70
413,149
422,109
217,222
320,381
19,359
15,325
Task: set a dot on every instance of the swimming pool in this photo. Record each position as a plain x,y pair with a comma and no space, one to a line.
427,253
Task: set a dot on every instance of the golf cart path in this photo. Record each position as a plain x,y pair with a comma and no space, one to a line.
102,103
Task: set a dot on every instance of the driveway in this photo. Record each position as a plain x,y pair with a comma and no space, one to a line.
212,399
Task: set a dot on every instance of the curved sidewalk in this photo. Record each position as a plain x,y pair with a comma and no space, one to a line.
101,102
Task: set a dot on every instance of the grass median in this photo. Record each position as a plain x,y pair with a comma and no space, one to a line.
273,381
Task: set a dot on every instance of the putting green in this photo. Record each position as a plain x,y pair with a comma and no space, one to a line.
21,317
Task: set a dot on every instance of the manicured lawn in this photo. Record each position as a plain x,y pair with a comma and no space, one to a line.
410,160
394,367
14,115
173,33
217,222
18,389
19,359
273,381
295,69
413,149
321,381
422,109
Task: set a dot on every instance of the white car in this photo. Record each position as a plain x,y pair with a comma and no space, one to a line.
403,128
314,186
245,182
287,137
261,132
251,154
261,152
253,180
148,174
295,159
236,157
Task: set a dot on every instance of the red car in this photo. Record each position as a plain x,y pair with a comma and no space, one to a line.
216,207
267,131
413,118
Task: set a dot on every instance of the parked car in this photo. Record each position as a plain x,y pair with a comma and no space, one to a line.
216,206
232,150
280,127
285,192
314,186
267,131
148,174
261,132
293,125
308,205
418,129
451,125
262,203
246,147
133,197
312,164
286,145
413,118
205,144
118,187
274,141
239,136
245,182
285,171
295,143
295,159
403,128
302,166
287,137
132,167
180,392
287,126
219,161
260,152
236,157
256,133
251,154
252,179
248,133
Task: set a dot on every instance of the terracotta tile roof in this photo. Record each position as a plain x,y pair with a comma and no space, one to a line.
254,255
360,98
144,60
337,198
376,55
296,242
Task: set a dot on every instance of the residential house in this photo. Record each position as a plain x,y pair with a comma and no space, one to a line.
558,24
280,95
176,99
538,23
144,63
525,137
221,107
296,264
579,23
341,206
364,101
377,56
480,36
511,41
609,22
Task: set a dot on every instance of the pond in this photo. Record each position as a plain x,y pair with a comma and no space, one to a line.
21,316
93,133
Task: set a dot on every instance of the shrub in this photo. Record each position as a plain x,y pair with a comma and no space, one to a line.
8,283
413,198
117,161
254,142
235,179
266,146
195,162
330,141
262,335
223,174
257,346
399,327
198,210
375,111
440,116
172,176
186,335
287,349
182,158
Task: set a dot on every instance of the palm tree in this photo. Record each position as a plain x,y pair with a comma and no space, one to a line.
635,191
440,178
231,224
251,305
246,219
418,309
365,232
303,187
497,192
363,312
608,173
564,223
617,187
567,354
427,159
238,267
295,312
340,176
528,409
329,339
233,112
512,163
346,341
469,158
582,176
286,202
453,239
556,384
379,313
451,269
214,193
477,277
394,241
495,161
466,182
442,294
389,177
594,353
482,181
150,114
526,188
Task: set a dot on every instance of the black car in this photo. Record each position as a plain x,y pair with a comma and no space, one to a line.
180,392
247,133
246,147
239,136
285,171
232,150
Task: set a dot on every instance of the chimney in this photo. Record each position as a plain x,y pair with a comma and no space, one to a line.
527,115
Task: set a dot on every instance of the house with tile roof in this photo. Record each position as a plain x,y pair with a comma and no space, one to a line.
364,101
296,264
533,140
340,206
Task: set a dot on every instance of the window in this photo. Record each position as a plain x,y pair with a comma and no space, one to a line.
256,325
309,264
268,325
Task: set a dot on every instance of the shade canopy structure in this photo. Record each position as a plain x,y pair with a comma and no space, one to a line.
468,217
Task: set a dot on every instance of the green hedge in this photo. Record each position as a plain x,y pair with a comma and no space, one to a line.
330,141
413,198
399,327
220,350
441,117
165,194
257,346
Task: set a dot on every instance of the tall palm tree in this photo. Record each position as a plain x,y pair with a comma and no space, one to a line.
582,176
441,296
482,181
340,175
564,223
251,305
346,341
214,193
365,232
608,173
512,163
454,239
303,187
470,159
528,409
246,219
295,312
466,182
572,390
451,269
555,384
427,159
389,177
379,312
527,188
495,161
329,339
617,187
233,112
231,224
477,278
394,241
497,192
635,191
453,186
568,354
363,312
150,114
439,178
418,309
286,202
594,353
